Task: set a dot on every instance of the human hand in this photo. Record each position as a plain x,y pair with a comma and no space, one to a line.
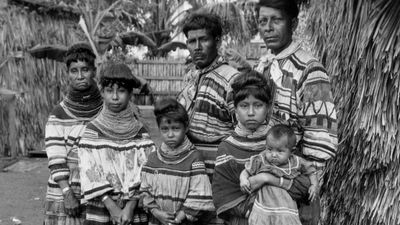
245,185
116,214
313,192
126,215
180,216
71,204
164,217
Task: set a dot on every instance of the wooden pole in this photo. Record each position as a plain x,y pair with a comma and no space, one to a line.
12,137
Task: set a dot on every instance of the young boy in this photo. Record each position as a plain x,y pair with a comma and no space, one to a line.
175,185
273,205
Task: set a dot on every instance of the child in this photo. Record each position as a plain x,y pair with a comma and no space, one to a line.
273,205
174,181
112,151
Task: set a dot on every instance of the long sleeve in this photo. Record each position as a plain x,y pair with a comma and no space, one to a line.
56,149
146,190
199,197
317,114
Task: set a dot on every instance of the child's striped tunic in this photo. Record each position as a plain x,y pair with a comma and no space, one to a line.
180,185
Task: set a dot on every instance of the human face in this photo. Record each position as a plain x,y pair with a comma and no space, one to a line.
278,151
202,46
276,28
172,132
116,98
251,112
81,75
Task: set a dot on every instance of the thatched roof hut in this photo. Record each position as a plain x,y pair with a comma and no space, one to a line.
25,24
359,42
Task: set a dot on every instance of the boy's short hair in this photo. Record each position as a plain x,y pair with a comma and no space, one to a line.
171,109
252,83
80,51
290,7
282,130
117,73
210,22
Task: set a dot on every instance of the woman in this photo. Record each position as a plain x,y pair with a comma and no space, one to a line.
113,149
63,130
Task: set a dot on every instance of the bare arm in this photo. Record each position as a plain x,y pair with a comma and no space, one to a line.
261,179
244,181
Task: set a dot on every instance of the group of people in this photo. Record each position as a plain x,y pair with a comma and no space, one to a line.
237,148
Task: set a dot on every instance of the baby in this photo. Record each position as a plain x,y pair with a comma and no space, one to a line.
273,205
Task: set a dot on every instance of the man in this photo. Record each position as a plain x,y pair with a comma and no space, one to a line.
303,97
205,97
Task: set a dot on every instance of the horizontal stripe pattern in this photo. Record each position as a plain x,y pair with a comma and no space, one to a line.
111,165
173,187
62,134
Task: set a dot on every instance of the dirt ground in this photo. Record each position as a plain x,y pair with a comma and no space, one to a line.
23,186
22,190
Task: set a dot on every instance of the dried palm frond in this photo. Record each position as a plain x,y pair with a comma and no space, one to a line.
359,42
233,21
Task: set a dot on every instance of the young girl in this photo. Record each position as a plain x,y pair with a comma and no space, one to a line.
252,97
112,151
175,185
273,205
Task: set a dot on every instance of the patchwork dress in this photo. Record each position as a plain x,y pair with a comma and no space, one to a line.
64,128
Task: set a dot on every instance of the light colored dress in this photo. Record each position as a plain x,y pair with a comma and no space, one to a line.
274,205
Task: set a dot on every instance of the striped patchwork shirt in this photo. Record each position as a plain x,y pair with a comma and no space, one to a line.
205,97
303,99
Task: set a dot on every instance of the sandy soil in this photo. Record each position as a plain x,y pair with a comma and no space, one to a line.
22,191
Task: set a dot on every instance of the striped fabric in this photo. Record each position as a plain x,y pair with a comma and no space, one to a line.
211,113
63,131
275,206
233,153
113,167
303,99
176,185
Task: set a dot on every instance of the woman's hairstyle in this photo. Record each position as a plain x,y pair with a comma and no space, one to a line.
282,130
252,83
117,73
80,52
210,22
290,7
170,109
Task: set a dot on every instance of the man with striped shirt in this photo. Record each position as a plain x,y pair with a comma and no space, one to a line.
205,96
303,97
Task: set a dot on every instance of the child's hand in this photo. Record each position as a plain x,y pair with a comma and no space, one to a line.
245,185
163,216
313,191
180,216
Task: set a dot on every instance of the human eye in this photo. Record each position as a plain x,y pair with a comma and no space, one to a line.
243,105
163,129
263,21
277,20
73,70
85,69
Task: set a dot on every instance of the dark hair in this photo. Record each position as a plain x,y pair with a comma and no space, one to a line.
252,83
171,109
210,22
80,52
290,7
117,73
281,130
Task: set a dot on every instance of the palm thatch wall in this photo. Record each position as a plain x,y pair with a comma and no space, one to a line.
40,81
359,43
